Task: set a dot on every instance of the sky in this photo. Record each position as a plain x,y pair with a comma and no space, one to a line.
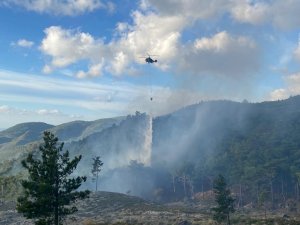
65,60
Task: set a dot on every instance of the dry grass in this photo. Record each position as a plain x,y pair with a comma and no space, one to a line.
105,208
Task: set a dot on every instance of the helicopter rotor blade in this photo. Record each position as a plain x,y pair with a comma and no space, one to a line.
151,54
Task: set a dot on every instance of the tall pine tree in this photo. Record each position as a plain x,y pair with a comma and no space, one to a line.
97,164
223,199
49,190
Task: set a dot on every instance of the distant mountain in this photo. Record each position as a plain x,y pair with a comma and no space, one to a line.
18,140
23,133
78,130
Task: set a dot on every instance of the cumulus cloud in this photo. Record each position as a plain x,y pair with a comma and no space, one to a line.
68,46
193,9
222,54
154,34
148,34
256,13
285,14
24,43
292,87
281,14
59,7
279,94
93,71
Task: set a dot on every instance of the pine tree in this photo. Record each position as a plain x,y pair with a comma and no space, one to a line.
97,164
223,199
49,191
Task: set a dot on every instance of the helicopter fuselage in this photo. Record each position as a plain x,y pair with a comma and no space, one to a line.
150,60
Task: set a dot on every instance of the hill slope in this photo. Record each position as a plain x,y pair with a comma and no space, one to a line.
17,141
24,133
255,145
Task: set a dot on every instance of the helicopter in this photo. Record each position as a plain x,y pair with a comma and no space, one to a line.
149,59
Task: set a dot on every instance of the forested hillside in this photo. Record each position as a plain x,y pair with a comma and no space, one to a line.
256,146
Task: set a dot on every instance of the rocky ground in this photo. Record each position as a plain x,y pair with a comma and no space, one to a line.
106,208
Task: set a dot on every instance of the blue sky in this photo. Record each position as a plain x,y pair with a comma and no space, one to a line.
81,59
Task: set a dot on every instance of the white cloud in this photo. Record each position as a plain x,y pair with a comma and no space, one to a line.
281,14
60,7
10,116
149,34
68,46
285,14
193,9
292,87
48,112
47,69
110,6
110,97
256,13
297,53
154,34
279,94
25,43
94,70
222,54
48,98
119,63
4,109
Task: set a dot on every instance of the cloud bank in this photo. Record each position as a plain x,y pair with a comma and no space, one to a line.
55,100
222,53
59,7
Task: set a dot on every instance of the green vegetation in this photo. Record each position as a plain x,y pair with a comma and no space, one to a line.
48,190
225,203
255,146
10,187
97,164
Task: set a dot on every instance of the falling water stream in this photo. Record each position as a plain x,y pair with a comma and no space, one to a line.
147,151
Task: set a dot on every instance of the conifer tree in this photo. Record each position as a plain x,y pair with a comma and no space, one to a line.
97,164
223,199
49,190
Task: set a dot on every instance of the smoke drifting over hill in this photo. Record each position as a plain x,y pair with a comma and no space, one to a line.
143,155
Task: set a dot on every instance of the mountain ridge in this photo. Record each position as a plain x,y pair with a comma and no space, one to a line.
241,140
